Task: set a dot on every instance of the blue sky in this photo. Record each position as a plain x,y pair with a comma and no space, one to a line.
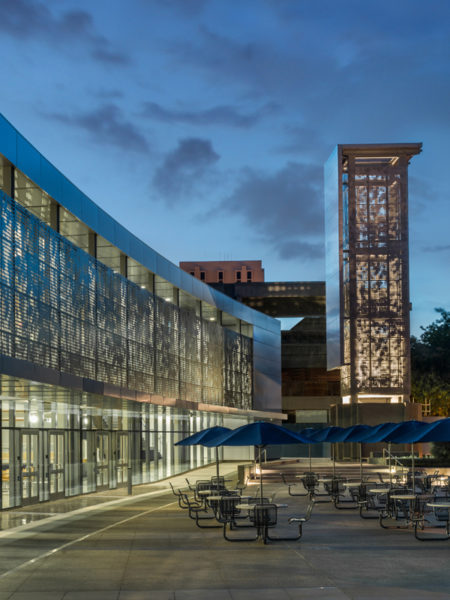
203,125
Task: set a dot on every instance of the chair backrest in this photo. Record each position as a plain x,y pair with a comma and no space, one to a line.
226,509
309,481
184,501
202,485
265,515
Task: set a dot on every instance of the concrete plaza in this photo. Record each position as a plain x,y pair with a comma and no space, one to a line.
108,546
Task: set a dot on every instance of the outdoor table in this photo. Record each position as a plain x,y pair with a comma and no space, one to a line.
403,496
380,490
437,538
219,497
411,498
261,528
204,492
252,506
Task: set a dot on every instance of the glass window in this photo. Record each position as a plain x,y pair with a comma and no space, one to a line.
73,229
108,254
29,195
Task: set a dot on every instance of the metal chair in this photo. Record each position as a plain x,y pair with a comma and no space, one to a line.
195,509
291,485
227,514
432,517
310,483
265,516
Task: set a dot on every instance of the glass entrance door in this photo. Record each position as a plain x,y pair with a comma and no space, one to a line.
29,460
122,458
102,459
56,464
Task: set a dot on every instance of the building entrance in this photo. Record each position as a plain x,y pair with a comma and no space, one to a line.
56,461
102,454
122,459
29,467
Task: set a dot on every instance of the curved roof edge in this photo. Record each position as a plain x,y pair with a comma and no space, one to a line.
21,153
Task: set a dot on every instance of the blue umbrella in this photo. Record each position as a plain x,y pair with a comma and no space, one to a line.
437,431
379,432
258,434
203,436
328,434
407,433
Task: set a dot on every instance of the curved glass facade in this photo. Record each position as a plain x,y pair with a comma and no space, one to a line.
104,362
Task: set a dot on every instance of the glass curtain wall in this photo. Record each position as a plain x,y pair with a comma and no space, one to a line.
59,442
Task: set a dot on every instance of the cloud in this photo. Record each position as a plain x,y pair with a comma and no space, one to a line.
186,7
304,142
297,249
217,115
184,169
29,19
438,248
284,209
106,125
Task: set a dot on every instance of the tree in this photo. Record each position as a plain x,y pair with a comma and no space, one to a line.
441,451
430,365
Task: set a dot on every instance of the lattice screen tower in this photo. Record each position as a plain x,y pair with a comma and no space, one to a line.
374,272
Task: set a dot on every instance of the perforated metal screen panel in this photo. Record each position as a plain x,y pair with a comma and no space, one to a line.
61,308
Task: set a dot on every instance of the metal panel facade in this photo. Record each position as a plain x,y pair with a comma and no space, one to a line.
63,309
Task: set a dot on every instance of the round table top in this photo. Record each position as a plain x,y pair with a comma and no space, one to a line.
445,504
204,492
237,498
380,490
252,506
403,496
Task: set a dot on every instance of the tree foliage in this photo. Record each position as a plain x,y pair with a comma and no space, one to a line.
441,451
430,365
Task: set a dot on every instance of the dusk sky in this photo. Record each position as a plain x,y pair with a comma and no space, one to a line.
203,125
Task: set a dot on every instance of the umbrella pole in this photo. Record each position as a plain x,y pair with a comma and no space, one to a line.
260,474
360,463
309,452
217,465
390,470
333,449
413,469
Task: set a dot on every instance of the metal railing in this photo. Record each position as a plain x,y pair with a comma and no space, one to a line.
388,455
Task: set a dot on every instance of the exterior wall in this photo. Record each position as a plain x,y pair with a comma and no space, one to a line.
59,442
227,271
373,329
103,309
306,383
64,310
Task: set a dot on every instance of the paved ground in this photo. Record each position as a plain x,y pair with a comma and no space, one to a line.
147,548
